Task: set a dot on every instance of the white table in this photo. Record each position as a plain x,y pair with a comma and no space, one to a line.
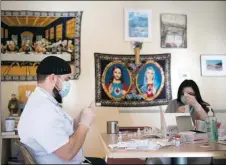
32,57
181,153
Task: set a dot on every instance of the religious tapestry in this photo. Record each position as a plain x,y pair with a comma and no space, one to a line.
27,37
119,82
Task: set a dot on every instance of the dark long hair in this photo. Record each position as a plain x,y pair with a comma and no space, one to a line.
194,86
112,74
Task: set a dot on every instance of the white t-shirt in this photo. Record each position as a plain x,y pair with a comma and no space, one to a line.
45,127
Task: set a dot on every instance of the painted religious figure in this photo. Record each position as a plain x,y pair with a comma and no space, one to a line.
150,80
116,81
34,35
120,82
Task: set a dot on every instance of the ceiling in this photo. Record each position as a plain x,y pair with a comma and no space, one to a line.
28,21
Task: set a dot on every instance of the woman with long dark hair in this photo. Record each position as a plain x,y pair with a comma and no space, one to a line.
189,94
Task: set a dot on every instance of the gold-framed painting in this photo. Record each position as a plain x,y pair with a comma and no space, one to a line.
31,36
119,82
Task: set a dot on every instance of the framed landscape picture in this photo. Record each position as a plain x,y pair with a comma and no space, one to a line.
213,65
137,24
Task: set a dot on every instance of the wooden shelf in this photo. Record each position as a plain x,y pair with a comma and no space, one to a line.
10,136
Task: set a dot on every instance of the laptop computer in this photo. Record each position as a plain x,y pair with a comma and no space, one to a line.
185,123
169,123
174,123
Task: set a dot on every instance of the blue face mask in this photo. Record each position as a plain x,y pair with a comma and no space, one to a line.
182,99
66,86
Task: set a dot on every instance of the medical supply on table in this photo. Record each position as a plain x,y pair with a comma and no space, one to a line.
120,137
212,129
174,141
141,144
151,133
177,141
193,137
221,130
200,125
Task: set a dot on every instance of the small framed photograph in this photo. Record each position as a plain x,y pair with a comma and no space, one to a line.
137,24
213,65
173,29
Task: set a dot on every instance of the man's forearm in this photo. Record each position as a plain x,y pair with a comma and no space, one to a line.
70,150
77,139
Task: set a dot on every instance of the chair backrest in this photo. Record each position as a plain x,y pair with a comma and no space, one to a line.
28,157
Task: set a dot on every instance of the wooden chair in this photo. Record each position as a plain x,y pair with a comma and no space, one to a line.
28,158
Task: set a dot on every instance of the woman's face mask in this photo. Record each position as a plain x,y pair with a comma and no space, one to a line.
182,99
66,86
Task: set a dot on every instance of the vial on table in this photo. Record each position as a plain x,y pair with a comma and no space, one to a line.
174,141
177,142
120,137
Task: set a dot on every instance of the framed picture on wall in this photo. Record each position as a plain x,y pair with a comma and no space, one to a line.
119,82
173,30
137,24
31,36
213,65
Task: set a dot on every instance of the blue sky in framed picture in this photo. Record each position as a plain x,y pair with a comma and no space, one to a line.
214,65
138,24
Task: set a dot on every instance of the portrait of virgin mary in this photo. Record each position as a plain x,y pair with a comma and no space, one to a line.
150,81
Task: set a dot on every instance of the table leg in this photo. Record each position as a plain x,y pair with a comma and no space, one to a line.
181,160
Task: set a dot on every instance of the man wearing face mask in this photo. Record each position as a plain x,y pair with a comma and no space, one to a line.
45,128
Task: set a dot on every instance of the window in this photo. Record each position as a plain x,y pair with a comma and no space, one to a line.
47,34
15,39
38,37
26,35
6,33
59,30
52,33
2,32
70,28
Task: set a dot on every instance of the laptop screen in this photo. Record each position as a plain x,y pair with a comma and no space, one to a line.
184,123
170,118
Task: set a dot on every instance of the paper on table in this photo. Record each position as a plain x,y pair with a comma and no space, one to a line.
141,144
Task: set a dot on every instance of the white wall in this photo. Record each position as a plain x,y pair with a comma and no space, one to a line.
102,31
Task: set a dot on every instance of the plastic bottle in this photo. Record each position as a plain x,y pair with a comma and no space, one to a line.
208,129
221,130
212,129
177,142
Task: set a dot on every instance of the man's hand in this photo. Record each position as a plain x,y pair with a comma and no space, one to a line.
77,120
87,117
